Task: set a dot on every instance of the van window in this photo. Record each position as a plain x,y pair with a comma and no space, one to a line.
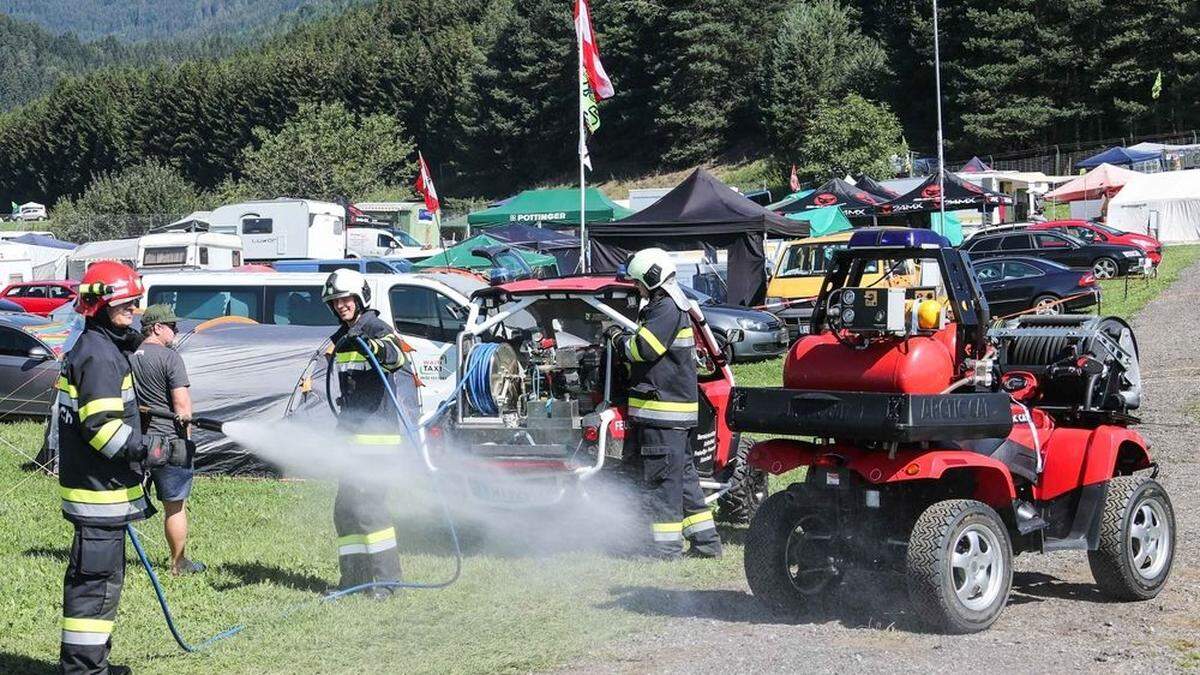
257,226
163,256
208,302
385,241
423,312
203,255
329,267
298,306
376,267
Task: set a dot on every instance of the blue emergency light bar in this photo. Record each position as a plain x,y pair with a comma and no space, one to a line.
897,237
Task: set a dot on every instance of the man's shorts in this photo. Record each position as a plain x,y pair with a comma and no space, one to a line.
172,483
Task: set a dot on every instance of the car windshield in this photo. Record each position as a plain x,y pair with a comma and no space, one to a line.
405,238
806,260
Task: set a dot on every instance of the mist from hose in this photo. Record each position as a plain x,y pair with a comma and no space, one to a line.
599,514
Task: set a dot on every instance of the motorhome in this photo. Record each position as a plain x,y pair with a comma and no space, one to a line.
283,229
177,251
364,242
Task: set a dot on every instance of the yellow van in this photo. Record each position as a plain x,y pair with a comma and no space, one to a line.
800,269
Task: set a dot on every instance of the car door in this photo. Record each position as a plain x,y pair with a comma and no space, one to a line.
1051,246
991,281
429,321
1017,244
1022,283
28,371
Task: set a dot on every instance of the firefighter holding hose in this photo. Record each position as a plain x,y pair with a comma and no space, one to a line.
366,538
102,460
664,409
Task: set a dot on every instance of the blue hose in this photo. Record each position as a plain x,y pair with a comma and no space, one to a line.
411,433
478,379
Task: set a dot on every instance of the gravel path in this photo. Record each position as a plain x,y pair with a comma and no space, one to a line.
1056,619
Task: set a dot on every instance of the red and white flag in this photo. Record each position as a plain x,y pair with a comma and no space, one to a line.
425,185
794,183
597,78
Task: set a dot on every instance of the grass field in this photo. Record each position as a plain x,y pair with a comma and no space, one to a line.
1124,298
269,545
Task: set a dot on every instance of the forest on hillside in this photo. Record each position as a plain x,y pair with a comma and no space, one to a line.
486,88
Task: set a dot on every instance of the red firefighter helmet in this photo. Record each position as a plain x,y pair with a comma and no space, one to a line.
107,283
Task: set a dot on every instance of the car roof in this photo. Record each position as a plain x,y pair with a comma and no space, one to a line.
570,285
1022,258
48,282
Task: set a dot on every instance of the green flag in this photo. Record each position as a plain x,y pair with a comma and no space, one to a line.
591,112
1156,90
15,208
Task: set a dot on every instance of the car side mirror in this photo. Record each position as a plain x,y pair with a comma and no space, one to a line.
39,353
734,335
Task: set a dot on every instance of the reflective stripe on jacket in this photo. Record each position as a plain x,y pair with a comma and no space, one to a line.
662,357
365,405
99,429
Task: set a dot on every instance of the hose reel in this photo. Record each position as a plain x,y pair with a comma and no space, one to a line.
493,384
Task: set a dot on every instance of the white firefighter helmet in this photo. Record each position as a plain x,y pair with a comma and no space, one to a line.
344,284
652,267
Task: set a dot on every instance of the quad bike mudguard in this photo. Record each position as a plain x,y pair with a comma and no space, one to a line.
993,481
1077,457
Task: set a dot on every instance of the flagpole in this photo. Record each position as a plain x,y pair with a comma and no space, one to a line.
937,78
583,261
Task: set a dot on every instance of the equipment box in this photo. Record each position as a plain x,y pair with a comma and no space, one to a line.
870,416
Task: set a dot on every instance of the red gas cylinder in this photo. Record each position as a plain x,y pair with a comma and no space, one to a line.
914,365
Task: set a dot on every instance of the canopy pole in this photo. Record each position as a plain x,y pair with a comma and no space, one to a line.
937,78
583,247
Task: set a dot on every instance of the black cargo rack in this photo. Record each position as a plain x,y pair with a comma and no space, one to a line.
871,416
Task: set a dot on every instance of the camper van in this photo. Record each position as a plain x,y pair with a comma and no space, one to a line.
284,229
31,211
427,310
374,242
177,251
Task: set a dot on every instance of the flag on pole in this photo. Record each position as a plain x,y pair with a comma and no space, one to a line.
794,182
596,76
1156,90
591,112
425,185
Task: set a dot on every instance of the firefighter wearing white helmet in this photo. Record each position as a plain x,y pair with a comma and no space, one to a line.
366,538
664,409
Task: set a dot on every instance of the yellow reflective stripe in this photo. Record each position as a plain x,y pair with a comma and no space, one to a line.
696,518
64,385
646,335
665,406
378,439
127,383
685,333
380,535
101,405
87,625
101,496
633,350
666,527
348,357
105,434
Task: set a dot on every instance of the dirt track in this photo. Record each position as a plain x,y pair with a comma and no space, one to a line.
1055,621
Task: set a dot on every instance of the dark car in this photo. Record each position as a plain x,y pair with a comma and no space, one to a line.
1104,260
30,347
1018,284
763,334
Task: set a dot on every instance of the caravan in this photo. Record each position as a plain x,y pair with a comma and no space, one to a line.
176,251
284,229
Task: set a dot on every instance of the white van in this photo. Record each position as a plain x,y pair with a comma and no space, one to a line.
32,211
373,242
283,229
178,251
428,310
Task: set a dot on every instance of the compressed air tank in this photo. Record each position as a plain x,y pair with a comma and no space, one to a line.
919,364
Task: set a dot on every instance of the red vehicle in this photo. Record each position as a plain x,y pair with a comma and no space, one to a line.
1093,232
939,449
544,400
41,297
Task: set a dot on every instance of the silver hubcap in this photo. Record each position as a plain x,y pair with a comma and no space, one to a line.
977,567
1105,269
1149,540
1047,306
809,570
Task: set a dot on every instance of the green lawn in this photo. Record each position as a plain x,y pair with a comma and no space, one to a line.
1124,297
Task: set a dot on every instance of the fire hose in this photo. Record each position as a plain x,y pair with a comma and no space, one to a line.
411,431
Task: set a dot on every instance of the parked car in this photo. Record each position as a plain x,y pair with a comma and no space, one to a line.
1098,233
762,335
11,307
41,297
30,349
1104,260
364,265
1017,284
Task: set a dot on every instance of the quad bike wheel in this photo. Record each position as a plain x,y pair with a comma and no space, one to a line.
959,566
1137,539
749,489
787,557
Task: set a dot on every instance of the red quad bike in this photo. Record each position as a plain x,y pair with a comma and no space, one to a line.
939,449
545,401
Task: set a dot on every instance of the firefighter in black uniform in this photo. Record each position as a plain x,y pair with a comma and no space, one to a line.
663,409
366,538
102,457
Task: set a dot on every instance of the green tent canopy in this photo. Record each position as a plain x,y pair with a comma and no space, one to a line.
460,256
951,229
823,221
794,197
561,204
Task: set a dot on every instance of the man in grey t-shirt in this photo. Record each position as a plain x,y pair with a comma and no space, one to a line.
161,382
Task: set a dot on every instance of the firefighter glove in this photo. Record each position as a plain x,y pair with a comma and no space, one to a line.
612,332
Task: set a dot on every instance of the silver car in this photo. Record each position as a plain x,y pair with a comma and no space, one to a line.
757,334
30,349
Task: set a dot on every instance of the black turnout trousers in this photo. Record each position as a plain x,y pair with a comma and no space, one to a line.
91,593
674,499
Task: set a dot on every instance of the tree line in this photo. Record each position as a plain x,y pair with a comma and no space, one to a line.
486,88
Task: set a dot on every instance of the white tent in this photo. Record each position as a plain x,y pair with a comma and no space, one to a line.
1165,204
124,250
